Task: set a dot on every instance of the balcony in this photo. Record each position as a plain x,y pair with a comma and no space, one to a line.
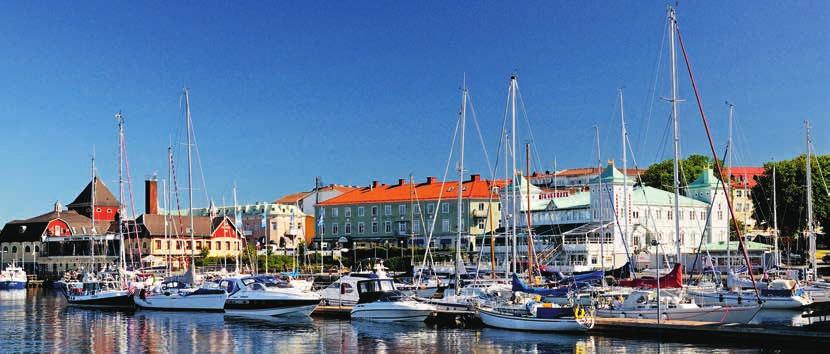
480,214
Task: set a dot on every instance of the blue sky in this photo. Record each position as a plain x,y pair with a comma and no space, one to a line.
284,91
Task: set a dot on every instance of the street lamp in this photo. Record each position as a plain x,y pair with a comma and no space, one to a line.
402,244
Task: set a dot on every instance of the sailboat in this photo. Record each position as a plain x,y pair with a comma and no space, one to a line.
181,293
105,289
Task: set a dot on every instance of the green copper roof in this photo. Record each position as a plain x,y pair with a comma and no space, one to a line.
576,200
612,175
733,245
706,179
659,197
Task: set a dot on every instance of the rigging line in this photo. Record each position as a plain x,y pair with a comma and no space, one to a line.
820,172
652,96
715,155
529,129
440,195
480,136
703,232
199,161
130,188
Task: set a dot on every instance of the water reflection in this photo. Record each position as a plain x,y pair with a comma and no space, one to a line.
40,321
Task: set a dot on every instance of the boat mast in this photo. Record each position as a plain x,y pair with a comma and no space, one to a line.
775,216
530,248
237,222
599,199
729,185
320,222
460,206
811,234
676,134
625,176
411,224
92,216
506,214
190,180
513,198
121,254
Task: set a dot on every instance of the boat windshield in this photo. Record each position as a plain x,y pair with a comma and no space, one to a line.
374,286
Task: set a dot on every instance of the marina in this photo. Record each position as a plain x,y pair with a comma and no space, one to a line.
454,231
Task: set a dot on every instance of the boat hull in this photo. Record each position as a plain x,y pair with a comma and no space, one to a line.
270,307
12,285
115,299
178,302
770,302
404,311
717,314
497,319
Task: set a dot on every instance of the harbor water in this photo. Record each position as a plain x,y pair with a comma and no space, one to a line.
38,320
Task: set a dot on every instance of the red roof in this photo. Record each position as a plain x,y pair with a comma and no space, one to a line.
744,176
294,198
475,188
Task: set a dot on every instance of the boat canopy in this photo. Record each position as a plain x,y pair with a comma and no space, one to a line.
672,280
518,285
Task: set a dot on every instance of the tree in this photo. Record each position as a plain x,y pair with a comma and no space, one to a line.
661,174
791,176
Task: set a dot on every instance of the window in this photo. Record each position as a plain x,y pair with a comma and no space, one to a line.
481,224
335,212
374,227
402,228
14,249
158,244
27,249
417,209
168,245
387,227
445,225
207,243
702,215
347,212
720,214
374,210
430,208
334,229
218,245
416,228
445,208
360,211
402,209
361,228
347,227
98,210
322,211
738,193
480,206
669,216
228,245
199,245
387,210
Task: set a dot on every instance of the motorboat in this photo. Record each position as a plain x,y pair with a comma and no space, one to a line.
174,295
537,316
343,291
644,304
779,294
104,291
379,301
267,296
13,277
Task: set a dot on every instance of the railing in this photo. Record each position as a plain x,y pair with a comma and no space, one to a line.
585,240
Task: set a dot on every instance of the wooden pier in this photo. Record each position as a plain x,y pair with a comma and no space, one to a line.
333,311
711,331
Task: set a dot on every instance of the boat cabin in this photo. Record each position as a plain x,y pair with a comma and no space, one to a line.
373,290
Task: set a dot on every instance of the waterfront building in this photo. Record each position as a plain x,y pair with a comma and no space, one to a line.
587,226
383,214
306,200
283,226
742,180
28,241
572,178
158,238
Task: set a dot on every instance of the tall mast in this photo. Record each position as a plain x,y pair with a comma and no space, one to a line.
811,234
460,206
92,216
728,184
120,119
411,223
513,198
530,249
505,215
673,25
775,215
625,174
237,222
599,199
190,180
320,222
168,203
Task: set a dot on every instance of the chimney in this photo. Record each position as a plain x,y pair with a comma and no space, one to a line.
375,184
431,180
401,181
475,178
151,197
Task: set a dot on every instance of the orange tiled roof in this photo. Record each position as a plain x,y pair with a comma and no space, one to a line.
744,176
292,198
475,188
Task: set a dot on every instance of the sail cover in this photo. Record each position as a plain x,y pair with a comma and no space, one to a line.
518,285
672,280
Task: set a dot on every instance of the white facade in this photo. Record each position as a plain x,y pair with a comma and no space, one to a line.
589,225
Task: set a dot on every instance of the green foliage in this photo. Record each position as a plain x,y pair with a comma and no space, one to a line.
791,176
661,174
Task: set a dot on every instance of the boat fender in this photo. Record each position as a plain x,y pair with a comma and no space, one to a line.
720,297
740,300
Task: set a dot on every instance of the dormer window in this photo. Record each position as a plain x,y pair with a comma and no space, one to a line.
22,229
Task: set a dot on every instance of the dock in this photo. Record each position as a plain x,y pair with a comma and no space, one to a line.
344,312
710,331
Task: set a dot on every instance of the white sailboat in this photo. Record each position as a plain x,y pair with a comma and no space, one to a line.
182,294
